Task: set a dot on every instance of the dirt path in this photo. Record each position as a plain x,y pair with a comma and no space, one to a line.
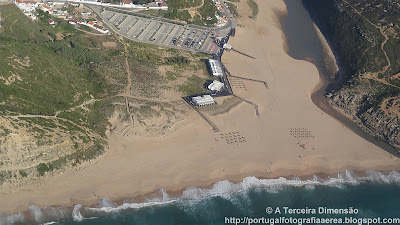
386,68
146,99
193,8
88,32
12,24
85,103
128,87
89,132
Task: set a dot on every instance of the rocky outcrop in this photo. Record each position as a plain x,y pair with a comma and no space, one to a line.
357,100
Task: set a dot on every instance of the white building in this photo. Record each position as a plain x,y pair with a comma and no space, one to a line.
27,7
93,25
227,47
72,22
216,86
161,4
51,22
203,100
126,2
86,13
46,8
26,4
215,68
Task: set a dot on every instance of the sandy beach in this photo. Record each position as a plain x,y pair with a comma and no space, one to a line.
290,137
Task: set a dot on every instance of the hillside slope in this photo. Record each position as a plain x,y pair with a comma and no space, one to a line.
42,82
365,38
60,86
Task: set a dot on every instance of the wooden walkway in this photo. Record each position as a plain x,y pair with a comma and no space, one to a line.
213,126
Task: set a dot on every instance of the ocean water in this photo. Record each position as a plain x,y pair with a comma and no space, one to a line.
374,195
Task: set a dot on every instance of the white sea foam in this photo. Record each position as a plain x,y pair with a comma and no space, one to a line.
12,218
161,196
225,188
48,223
105,203
76,213
56,213
375,176
126,206
36,213
165,196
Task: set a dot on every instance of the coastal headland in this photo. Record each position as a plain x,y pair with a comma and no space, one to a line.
290,136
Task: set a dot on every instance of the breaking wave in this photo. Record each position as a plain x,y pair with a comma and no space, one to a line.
224,189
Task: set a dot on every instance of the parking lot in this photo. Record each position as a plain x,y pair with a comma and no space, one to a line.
162,33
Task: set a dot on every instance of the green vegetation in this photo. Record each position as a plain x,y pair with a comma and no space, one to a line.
19,27
49,68
133,1
207,12
171,76
182,4
4,175
64,86
177,9
62,25
23,173
194,85
392,47
356,34
144,60
4,132
182,15
254,8
233,9
144,53
46,77
44,168
180,60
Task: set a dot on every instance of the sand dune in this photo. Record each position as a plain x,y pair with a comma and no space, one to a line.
291,136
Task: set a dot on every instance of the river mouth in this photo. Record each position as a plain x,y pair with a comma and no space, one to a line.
304,42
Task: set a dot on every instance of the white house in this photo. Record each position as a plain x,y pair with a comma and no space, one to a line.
161,4
203,100
93,25
126,2
46,8
51,22
26,6
215,68
216,86
86,13
227,47
72,22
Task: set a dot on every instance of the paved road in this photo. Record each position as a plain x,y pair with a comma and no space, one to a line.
107,5
228,25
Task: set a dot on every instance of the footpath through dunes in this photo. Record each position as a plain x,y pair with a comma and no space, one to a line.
291,136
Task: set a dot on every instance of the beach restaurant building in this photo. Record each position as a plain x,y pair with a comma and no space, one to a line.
215,68
203,100
216,86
